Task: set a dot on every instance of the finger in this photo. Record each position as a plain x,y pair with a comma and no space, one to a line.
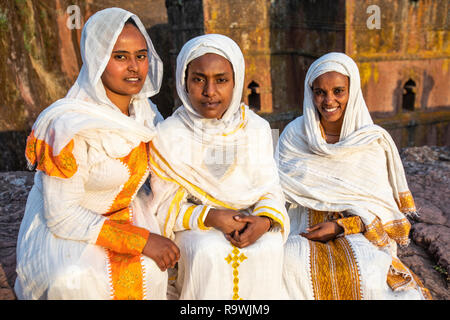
313,228
242,218
176,251
161,265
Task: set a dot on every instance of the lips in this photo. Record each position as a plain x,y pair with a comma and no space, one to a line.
133,79
211,104
329,110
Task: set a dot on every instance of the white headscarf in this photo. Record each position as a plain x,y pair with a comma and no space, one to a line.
227,48
87,111
362,173
224,163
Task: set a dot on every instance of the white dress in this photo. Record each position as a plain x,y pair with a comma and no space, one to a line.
57,254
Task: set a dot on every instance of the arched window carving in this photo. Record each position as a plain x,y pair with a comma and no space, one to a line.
409,95
254,98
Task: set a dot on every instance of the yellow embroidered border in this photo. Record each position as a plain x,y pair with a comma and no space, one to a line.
270,215
175,202
241,124
187,216
406,202
351,225
200,222
334,271
379,234
235,260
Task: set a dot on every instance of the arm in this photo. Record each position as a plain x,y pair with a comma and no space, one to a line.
66,218
329,230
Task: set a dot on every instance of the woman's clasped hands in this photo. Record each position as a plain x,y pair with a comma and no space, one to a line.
240,230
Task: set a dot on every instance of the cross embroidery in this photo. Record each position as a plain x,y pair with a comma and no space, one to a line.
235,260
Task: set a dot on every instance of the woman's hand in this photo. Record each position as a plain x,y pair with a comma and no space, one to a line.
222,219
256,227
162,250
323,232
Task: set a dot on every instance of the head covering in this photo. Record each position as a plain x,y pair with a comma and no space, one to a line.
98,38
86,110
226,163
356,113
361,174
227,48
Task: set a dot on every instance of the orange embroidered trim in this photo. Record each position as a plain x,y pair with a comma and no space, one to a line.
136,162
122,237
334,271
235,260
126,276
125,241
39,152
351,225
406,202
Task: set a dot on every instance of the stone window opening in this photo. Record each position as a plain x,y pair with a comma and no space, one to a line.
254,98
409,95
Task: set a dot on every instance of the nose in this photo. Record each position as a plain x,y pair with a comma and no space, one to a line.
133,64
328,99
209,88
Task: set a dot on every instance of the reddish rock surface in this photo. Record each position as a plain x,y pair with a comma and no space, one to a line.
428,255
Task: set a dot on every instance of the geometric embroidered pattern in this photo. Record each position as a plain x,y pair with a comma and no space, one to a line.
125,240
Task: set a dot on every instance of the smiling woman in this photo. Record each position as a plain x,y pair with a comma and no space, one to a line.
86,232
127,68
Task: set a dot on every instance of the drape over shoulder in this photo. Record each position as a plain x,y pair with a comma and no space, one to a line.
362,174
85,224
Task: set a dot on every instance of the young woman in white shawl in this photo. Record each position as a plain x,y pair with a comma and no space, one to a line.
216,184
86,233
348,195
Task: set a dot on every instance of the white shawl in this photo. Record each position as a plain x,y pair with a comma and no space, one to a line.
86,110
225,163
362,173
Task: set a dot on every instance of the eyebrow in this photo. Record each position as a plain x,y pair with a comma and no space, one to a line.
124,51
216,75
338,87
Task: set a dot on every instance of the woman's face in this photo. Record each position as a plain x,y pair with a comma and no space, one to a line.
128,65
330,95
210,84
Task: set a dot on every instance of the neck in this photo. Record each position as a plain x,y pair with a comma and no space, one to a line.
121,101
331,128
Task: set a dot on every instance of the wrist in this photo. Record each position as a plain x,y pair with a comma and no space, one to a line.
209,219
270,223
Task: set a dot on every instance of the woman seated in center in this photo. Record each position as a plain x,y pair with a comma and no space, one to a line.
215,181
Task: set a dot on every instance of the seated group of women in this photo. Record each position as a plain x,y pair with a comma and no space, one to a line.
212,222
